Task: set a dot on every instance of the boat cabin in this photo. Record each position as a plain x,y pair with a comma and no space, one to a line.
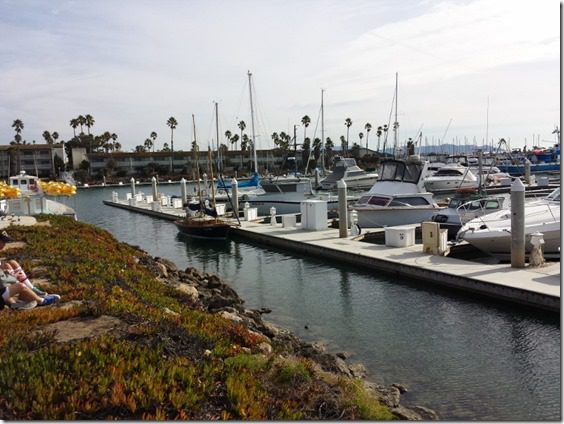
26,183
400,171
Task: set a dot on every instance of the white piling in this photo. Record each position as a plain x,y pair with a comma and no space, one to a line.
132,187
517,224
527,171
342,193
273,216
235,196
154,186
183,191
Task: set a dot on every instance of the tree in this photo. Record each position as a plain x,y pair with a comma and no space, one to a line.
228,136
242,127
172,123
348,123
154,138
74,123
368,128
148,144
385,131
47,136
18,126
343,145
328,148
361,136
81,122
355,151
234,139
55,136
305,122
89,122
378,134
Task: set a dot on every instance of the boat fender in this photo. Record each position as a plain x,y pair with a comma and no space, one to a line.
358,229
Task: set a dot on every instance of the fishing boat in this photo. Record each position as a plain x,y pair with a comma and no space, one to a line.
353,176
201,220
451,177
398,197
492,233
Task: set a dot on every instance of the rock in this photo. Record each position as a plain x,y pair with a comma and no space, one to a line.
400,387
171,266
390,396
230,316
415,413
343,355
358,370
265,347
170,312
189,290
162,269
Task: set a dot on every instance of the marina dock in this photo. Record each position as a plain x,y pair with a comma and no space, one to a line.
537,287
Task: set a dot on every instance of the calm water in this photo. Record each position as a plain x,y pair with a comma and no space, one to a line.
465,358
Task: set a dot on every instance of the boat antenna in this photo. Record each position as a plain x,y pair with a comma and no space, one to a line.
396,123
487,119
219,170
252,121
446,130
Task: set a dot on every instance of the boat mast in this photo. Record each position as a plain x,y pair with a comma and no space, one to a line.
219,168
197,154
396,124
252,122
322,134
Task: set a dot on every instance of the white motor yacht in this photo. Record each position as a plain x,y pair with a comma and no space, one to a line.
451,177
398,197
346,169
492,233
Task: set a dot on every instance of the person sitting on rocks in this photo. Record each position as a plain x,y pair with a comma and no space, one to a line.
12,267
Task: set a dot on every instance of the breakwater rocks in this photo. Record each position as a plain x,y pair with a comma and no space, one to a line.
209,292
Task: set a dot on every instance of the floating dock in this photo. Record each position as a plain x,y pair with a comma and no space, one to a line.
537,287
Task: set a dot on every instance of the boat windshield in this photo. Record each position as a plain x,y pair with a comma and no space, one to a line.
374,200
400,171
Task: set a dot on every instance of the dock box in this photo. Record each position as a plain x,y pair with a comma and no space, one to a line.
149,198
220,209
400,236
250,214
435,239
164,200
177,203
288,221
314,214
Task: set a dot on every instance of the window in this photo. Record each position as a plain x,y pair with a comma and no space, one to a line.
410,201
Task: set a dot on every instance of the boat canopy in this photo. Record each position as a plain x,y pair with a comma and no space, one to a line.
400,171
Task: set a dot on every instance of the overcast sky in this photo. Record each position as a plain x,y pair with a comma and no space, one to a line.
466,68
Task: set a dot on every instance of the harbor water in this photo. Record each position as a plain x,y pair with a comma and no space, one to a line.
467,358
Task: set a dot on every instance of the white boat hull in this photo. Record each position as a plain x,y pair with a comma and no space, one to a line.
391,216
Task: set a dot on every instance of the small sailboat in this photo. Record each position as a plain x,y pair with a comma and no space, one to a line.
201,219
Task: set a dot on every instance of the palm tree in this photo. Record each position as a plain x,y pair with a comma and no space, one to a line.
89,122
361,136
228,136
378,134
18,125
348,123
385,130
47,136
154,138
55,136
81,122
74,123
343,145
148,144
241,125
117,146
368,128
305,122
172,123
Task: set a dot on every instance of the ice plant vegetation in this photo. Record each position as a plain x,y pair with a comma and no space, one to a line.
171,360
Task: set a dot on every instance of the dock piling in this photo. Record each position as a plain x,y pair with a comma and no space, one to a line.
517,224
342,193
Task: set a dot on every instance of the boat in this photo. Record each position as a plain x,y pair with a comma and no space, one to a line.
353,176
465,205
492,233
286,194
33,197
451,177
398,197
201,220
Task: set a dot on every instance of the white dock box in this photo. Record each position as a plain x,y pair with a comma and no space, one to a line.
288,221
314,214
149,198
400,236
435,239
164,200
176,203
220,209
250,214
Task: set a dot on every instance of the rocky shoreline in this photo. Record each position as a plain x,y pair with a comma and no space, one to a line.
210,293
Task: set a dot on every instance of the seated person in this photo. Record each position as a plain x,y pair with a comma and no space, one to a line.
9,292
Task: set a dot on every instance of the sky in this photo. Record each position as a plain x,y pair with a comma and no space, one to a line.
466,70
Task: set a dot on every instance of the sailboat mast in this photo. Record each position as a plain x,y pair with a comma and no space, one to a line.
219,167
197,154
396,124
322,133
252,121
